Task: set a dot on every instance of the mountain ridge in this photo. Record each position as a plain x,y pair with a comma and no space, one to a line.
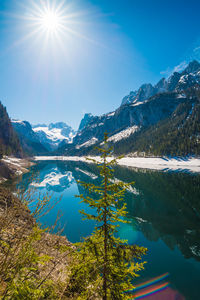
28,139
139,111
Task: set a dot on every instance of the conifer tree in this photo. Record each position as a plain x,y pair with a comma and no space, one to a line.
104,265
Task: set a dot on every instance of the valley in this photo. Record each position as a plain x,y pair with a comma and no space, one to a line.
160,120
99,150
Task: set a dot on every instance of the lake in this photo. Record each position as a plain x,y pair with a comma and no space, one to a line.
163,210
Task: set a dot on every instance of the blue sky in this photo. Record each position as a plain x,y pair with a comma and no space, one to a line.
108,49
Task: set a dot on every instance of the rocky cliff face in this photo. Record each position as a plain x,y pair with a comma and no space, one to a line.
28,139
135,116
176,135
144,92
84,122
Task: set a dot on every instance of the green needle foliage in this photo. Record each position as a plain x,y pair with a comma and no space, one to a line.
105,265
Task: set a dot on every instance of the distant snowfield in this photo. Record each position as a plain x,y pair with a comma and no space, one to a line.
153,163
55,134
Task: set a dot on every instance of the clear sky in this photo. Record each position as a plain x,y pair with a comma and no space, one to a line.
105,49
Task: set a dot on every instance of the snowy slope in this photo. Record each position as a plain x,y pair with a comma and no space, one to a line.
123,134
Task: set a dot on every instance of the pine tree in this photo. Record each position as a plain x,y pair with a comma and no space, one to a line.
105,265
9,141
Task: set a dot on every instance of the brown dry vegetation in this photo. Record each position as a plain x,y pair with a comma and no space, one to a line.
33,262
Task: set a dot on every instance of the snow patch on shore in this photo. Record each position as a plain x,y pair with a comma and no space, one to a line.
153,163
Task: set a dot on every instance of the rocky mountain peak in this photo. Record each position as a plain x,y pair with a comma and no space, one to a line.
129,98
38,125
177,81
85,120
58,125
161,85
144,92
53,134
192,67
173,81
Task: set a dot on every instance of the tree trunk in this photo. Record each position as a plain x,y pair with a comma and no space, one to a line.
105,236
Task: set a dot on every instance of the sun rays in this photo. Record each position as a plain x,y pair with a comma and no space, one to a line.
49,18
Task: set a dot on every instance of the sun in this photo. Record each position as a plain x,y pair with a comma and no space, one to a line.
49,17
54,23
50,21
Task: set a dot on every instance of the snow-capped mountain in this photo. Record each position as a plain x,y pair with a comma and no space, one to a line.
139,110
41,138
53,134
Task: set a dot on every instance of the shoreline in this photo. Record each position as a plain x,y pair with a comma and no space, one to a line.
11,167
153,163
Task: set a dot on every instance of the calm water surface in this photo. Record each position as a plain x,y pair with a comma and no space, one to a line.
164,210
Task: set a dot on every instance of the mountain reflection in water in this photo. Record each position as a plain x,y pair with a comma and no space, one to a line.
163,210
